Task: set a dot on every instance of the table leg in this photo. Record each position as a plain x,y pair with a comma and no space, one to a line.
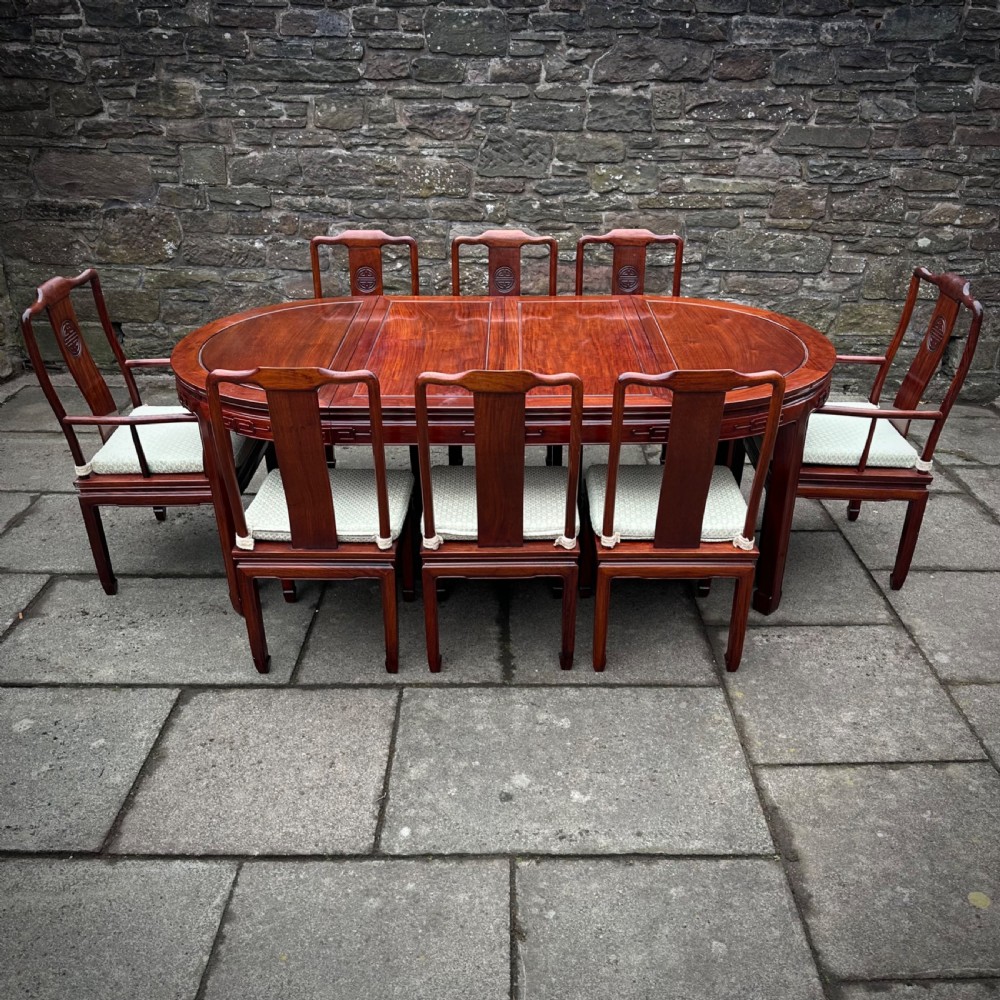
779,508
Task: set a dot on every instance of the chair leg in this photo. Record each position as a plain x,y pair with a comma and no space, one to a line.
908,541
331,457
406,550
455,455
391,618
254,617
431,620
553,454
99,546
160,513
415,462
738,620
289,592
853,509
602,600
703,587
270,457
569,619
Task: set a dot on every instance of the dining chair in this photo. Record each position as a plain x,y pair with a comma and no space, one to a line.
686,518
499,518
151,457
364,259
858,451
309,521
628,259
503,263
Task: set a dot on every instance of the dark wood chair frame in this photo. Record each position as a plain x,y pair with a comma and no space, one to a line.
863,482
628,260
364,259
677,550
500,550
503,264
94,490
314,553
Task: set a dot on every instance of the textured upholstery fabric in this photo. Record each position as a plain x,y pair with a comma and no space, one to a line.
837,440
354,503
169,448
638,496
453,488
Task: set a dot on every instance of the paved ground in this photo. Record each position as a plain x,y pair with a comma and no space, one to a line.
823,824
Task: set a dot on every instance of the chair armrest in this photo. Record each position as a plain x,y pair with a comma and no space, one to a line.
880,414
148,363
145,418
858,359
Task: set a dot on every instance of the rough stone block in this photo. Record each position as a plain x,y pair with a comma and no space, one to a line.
749,250
638,59
710,929
457,32
480,771
90,929
294,772
895,866
347,930
91,174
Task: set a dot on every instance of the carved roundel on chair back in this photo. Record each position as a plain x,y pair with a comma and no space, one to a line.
503,280
628,279
935,334
69,334
366,279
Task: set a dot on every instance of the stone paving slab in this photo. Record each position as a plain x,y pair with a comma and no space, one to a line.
37,462
29,410
955,534
824,584
983,484
971,435
249,772
16,593
347,644
691,929
89,930
897,868
424,930
568,770
981,705
655,636
953,617
51,538
68,758
952,989
848,694
12,504
163,631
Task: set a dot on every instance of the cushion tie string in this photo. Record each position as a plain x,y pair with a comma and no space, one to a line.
565,543
610,541
83,470
244,542
433,543
383,543
923,466
743,543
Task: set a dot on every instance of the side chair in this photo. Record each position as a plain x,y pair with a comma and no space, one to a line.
628,261
861,451
364,259
499,518
309,521
151,457
686,518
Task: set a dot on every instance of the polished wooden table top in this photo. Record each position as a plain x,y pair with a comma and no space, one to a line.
597,337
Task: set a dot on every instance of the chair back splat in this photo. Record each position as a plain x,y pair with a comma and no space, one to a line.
504,259
364,259
628,260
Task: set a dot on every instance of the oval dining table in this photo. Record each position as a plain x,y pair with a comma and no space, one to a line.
596,337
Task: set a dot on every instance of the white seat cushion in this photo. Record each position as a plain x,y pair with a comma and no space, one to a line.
453,488
832,439
355,505
637,498
169,448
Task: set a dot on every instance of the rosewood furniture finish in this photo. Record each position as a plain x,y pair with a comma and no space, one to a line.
675,548
313,550
94,489
628,260
597,337
503,266
856,483
500,549
364,259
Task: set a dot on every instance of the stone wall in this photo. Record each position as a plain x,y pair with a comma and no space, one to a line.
810,151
